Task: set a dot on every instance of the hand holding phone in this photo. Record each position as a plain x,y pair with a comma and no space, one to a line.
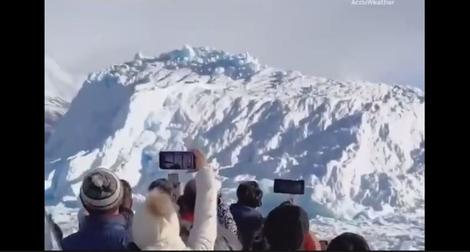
200,159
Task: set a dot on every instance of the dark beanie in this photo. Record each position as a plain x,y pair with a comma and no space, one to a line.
101,190
285,227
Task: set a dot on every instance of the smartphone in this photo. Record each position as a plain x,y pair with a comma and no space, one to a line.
289,186
177,160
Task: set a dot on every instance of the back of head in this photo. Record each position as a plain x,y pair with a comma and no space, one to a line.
127,194
348,242
249,194
156,223
162,184
187,201
285,227
101,192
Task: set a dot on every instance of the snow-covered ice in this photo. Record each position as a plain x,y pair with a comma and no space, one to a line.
358,145
60,88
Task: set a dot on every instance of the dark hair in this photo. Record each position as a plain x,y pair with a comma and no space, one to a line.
126,195
285,227
187,201
162,184
348,242
249,194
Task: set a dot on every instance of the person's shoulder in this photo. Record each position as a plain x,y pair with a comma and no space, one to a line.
117,231
72,236
259,214
233,205
253,212
236,207
70,241
119,238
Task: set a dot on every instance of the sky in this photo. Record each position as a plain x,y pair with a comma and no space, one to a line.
325,38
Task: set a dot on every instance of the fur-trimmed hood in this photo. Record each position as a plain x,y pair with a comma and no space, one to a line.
156,225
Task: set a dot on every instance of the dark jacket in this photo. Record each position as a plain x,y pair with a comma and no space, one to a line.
128,215
99,233
249,223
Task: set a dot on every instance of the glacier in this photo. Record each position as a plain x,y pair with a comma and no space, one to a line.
60,88
358,145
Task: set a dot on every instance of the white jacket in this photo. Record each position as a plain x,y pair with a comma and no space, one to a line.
156,225
227,231
226,239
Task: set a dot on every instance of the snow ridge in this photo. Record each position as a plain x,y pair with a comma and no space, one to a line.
59,91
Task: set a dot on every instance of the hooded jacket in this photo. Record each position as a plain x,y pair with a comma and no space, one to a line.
227,233
249,223
126,213
156,225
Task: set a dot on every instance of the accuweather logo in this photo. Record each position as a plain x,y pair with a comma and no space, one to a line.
373,2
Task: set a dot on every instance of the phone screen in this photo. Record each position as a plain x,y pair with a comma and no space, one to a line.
177,160
289,186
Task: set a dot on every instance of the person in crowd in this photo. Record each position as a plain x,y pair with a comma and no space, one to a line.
125,209
248,219
162,184
81,216
287,228
156,225
348,242
227,230
186,204
324,244
311,241
104,228
52,234
227,233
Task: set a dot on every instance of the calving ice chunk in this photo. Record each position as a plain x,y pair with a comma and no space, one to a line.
358,145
